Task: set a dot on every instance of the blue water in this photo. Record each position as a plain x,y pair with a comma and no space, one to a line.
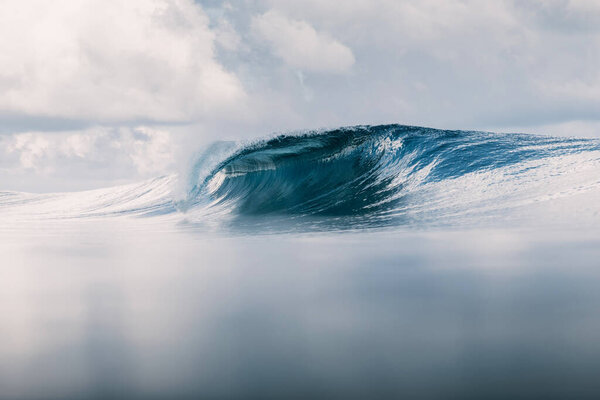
369,177
361,262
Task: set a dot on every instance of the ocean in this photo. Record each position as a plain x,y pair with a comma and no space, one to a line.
360,262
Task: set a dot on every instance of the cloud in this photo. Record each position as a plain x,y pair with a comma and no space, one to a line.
301,46
111,60
283,64
87,158
230,70
565,15
456,63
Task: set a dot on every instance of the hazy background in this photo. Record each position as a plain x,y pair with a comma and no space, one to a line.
96,93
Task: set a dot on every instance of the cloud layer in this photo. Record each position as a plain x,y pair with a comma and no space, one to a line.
212,69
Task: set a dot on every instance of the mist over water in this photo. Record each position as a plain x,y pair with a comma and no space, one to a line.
361,262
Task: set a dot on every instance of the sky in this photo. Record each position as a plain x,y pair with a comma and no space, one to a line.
101,92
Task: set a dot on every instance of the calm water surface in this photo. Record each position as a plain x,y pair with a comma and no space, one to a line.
121,309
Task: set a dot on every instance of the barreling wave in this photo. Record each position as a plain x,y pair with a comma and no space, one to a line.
392,174
356,177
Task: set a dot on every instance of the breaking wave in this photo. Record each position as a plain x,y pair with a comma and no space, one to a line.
392,174
359,177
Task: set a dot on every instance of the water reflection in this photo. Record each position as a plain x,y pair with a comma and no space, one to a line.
105,342
131,314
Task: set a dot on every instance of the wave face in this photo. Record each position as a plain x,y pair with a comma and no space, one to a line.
378,175
355,178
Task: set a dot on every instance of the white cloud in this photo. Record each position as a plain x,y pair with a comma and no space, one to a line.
457,63
87,158
106,60
151,150
301,46
444,63
226,35
248,68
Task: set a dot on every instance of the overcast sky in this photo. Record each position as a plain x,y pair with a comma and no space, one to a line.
99,92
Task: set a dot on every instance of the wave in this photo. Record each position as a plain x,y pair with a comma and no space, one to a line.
149,198
356,177
389,174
